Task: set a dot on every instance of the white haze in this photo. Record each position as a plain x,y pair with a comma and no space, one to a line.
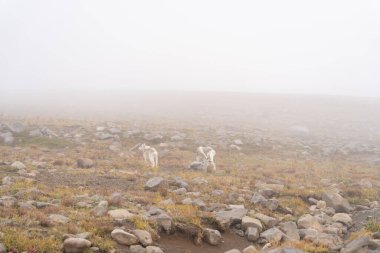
314,47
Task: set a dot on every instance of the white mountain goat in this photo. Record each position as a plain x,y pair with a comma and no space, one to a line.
150,155
205,156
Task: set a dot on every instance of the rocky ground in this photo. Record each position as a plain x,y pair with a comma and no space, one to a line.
75,186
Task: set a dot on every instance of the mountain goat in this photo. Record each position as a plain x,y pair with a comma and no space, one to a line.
150,155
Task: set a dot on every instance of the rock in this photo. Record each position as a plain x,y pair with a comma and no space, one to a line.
199,203
187,201
137,249
75,245
85,163
232,251
227,218
268,221
35,133
180,191
321,204
152,137
198,166
247,222
58,218
250,249
163,220
212,236
308,221
103,136
7,138
120,214
252,233
143,236
124,238
8,201
328,240
16,127
115,199
154,183
167,202
290,230
99,211
217,193
358,245
257,198
18,165
342,218
291,250
153,249
336,201
272,235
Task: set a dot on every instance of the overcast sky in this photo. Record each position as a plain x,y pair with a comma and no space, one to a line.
323,47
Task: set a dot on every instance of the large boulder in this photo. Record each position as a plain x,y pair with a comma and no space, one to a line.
124,238
307,221
247,222
359,245
120,214
154,249
212,236
144,236
266,220
336,201
58,218
343,218
154,183
290,230
226,218
252,233
75,245
272,235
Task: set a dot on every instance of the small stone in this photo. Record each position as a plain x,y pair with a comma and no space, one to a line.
58,218
85,163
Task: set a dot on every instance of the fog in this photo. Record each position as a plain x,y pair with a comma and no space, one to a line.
267,65
323,47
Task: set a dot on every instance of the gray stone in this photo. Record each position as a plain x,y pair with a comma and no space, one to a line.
227,218
153,249
58,218
154,183
251,222
308,221
252,234
212,236
250,249
124,238
85,163
137,249
290,230
342,218
75,245
18,165
272,235
336,201
144,236
359,245
268,221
